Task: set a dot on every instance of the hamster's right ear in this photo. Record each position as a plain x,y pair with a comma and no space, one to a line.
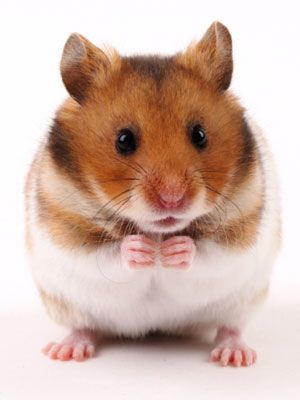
82,63
211,57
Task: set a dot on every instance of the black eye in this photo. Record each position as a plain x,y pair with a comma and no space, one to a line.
126,141
198,136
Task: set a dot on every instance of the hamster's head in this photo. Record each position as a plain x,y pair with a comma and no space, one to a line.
157,140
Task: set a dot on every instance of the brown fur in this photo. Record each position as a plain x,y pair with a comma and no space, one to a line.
63,312
67,228
72,230
241,232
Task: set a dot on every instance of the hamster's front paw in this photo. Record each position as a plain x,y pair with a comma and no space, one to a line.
138,251
177,252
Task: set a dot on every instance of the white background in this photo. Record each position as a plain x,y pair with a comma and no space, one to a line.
266,37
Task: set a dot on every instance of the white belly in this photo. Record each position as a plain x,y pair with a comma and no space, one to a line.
131,302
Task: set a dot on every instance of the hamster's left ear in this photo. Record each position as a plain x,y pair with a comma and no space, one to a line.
211,57
83,63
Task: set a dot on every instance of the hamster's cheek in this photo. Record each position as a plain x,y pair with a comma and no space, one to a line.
138,210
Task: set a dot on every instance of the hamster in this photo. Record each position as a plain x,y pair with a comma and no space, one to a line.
152,204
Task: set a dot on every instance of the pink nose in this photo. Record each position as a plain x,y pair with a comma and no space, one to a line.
171,199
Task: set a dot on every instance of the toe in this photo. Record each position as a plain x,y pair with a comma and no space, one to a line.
89,350
47,348
139,242
237,358
140,257
254,355
177,248
177,240
225,357
54,351
175,259
78,352
215,355
65,353
248,358
140,265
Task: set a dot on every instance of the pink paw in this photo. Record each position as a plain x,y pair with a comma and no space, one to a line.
231,350
78,346
138,251
237,356
177,252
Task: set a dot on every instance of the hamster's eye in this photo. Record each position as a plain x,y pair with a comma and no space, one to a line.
198,136
126,142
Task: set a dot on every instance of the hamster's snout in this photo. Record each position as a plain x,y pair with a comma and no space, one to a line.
171,198
167,195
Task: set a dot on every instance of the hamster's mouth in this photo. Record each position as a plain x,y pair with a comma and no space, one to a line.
165,225
167,222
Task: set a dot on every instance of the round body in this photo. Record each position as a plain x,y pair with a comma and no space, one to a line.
93,288
153,203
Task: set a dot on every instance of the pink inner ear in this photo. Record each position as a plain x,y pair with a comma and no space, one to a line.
74,51
72,67
81,62
211,57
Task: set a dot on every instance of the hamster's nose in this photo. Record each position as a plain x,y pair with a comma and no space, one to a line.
171,199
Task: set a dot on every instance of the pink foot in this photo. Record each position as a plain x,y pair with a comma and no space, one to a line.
231,350
138,251
177,252
78,346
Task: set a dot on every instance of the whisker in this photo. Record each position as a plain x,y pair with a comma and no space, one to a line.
119,180
128,165
112,200
140,166
121,208
68,196
211,217
204,171
225,197
211,178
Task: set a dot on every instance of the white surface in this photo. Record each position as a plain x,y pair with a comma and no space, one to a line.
155,369
267,64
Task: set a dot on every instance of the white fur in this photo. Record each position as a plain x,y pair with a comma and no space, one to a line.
216,290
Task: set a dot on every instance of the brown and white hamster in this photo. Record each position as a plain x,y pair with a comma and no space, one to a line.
152,204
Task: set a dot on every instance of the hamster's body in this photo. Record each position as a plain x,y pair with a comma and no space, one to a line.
78,249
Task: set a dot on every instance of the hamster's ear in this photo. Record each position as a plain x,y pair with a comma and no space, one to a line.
81,64
211,57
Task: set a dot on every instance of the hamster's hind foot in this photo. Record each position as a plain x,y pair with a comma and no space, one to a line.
231,350
79,346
